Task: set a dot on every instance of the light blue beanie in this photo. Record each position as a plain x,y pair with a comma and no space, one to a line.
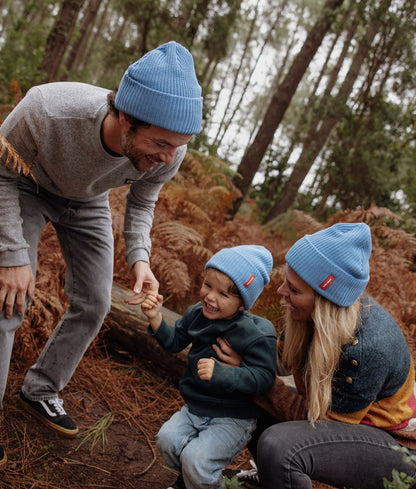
334,261
248,266
161,88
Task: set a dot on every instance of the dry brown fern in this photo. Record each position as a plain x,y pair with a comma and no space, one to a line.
203,170
180,203
293,225
199,205
369,216
178,257
175,235
14,95
15,91
117,199
49,302
173,274
207,175
38,324
216,201
392,281
11,159
398,241
243,230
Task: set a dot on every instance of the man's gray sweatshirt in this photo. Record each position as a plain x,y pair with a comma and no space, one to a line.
57,128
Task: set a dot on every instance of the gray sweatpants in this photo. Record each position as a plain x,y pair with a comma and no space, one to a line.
85,235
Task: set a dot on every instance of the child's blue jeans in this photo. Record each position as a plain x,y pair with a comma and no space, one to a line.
200,447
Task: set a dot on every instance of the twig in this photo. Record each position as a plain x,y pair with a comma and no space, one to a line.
76,462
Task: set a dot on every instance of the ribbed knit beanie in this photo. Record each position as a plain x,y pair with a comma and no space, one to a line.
248,266
161,88
334,261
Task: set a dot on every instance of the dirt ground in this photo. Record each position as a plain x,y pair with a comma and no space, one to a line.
107,387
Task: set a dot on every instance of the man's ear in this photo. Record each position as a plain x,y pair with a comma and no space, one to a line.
122,119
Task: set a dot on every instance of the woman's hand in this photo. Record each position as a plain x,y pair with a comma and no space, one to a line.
227,356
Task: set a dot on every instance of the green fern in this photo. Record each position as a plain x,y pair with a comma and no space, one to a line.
400,480
228,483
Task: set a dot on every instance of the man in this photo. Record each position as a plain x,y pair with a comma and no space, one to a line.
84,141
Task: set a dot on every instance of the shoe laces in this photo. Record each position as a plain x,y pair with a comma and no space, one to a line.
58,406
251,474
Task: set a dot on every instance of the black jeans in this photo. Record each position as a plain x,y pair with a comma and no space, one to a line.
292,454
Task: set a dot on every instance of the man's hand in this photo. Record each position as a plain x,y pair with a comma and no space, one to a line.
15,283
226,355
144,282
206,368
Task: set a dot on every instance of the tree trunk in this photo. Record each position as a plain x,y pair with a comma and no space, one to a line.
259,112
310,128
193,17
245,88
246,49
317,139
59,38
79,45
83,60
280,102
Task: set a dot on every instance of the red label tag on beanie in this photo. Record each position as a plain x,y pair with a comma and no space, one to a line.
249,281
327,282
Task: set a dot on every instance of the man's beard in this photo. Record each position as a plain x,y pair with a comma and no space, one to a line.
139,160
130,151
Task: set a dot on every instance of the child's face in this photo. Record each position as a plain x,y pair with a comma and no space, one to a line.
216,299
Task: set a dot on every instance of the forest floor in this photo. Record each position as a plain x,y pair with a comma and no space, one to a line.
119,404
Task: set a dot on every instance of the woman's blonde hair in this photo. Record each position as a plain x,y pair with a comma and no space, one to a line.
314,348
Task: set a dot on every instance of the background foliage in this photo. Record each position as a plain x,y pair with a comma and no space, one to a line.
319,130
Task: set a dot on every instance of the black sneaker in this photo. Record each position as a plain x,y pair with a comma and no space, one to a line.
3,458
246,478
179,483
52,414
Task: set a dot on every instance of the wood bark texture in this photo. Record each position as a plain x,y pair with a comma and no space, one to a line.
128,330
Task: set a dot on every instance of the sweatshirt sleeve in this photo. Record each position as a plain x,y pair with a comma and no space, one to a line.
140,205
256,373
16,130
173,338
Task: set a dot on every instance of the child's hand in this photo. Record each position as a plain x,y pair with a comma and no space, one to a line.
206,368
152,304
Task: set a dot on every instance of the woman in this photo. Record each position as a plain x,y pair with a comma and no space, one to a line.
352,368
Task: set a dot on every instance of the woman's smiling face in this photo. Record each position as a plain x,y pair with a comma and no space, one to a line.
299,296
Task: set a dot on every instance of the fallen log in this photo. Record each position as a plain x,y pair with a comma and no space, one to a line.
127,328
